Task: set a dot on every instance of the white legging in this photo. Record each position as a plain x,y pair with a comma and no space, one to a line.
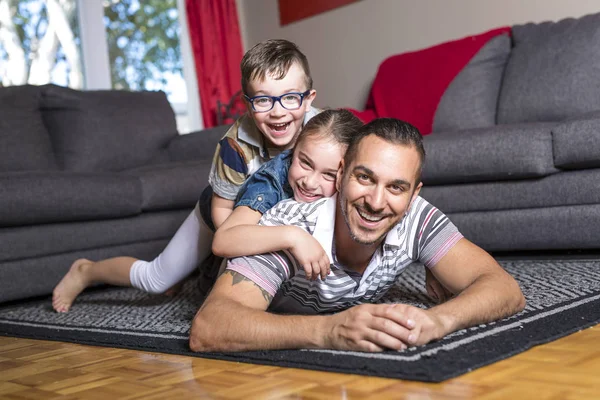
190,245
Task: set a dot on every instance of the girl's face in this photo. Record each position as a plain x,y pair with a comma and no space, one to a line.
314,167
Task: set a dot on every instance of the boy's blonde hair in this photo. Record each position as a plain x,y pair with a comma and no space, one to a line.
273,57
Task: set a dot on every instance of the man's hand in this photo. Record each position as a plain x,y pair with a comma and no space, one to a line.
435,289
427,325
310,254
369,327
377,327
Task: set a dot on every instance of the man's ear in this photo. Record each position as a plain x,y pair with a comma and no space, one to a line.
415,194
338,177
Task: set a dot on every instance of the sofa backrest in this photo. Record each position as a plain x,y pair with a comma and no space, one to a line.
471,99
553,71
24,141
106,130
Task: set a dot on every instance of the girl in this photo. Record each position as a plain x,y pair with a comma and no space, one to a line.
307,174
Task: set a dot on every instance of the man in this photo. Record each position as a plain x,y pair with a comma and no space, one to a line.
375,227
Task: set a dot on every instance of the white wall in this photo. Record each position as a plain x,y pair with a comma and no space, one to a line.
345,46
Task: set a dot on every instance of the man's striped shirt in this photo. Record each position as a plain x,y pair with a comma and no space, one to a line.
424,235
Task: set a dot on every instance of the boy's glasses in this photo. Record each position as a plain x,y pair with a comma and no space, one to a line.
289,101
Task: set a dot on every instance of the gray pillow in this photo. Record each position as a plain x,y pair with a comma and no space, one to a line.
471,99
24,141
106,130
553,72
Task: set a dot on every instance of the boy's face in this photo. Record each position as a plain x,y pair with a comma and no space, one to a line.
280,126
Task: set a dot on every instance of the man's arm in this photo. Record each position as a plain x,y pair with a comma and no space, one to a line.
234,318
484,292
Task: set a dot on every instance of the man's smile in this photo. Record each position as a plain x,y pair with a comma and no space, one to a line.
371,220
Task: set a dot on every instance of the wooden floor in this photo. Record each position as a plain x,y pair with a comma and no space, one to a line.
568,368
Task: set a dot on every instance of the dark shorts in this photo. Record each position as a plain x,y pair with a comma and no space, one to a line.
205,207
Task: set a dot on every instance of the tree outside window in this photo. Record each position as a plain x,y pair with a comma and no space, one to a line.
40,43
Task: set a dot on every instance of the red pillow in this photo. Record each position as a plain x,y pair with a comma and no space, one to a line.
409,86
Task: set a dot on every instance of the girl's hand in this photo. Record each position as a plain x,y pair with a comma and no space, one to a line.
310,254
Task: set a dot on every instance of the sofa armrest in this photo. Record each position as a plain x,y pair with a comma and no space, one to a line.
198,145
576,142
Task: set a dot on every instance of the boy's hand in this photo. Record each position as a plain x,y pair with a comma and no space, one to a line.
435,289
310,254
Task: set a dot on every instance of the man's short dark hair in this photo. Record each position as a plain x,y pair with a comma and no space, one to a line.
393,131
273,57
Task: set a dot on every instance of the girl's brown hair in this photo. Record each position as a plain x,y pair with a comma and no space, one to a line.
341,126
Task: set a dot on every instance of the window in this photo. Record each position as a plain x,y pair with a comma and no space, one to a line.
40,43
101,44
144,49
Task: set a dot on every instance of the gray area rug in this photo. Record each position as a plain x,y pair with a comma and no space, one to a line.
562,297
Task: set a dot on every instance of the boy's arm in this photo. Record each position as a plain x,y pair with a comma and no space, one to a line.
241,236
221,209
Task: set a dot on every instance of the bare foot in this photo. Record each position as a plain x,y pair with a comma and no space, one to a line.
70,285
173,290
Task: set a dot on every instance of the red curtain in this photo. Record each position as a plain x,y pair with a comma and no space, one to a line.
217,47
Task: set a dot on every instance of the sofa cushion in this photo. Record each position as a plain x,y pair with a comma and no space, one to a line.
28,198
172,185
25,279
106,130
503,152
553,71
552,228
195,146
24,141
471,99
566,188
577,142
59,238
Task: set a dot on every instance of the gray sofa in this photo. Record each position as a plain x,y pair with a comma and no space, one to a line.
528,179
101,174
90,174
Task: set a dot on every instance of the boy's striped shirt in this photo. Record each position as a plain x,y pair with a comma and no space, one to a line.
239,154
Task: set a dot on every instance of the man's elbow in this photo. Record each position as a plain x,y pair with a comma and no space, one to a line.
518,301
202,339
521,302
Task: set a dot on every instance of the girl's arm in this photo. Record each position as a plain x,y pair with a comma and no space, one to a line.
240,236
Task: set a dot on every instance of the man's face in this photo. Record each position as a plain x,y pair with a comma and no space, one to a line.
377,188
280,126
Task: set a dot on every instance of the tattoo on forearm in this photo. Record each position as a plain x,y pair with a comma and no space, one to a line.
237,278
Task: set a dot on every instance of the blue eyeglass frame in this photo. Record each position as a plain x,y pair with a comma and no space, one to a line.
277,99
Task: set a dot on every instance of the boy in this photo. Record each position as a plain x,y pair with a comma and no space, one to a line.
278,92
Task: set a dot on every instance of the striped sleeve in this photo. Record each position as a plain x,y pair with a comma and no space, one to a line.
291,212
229,169
433,233
268,271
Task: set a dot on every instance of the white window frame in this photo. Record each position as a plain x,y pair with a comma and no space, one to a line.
96,65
